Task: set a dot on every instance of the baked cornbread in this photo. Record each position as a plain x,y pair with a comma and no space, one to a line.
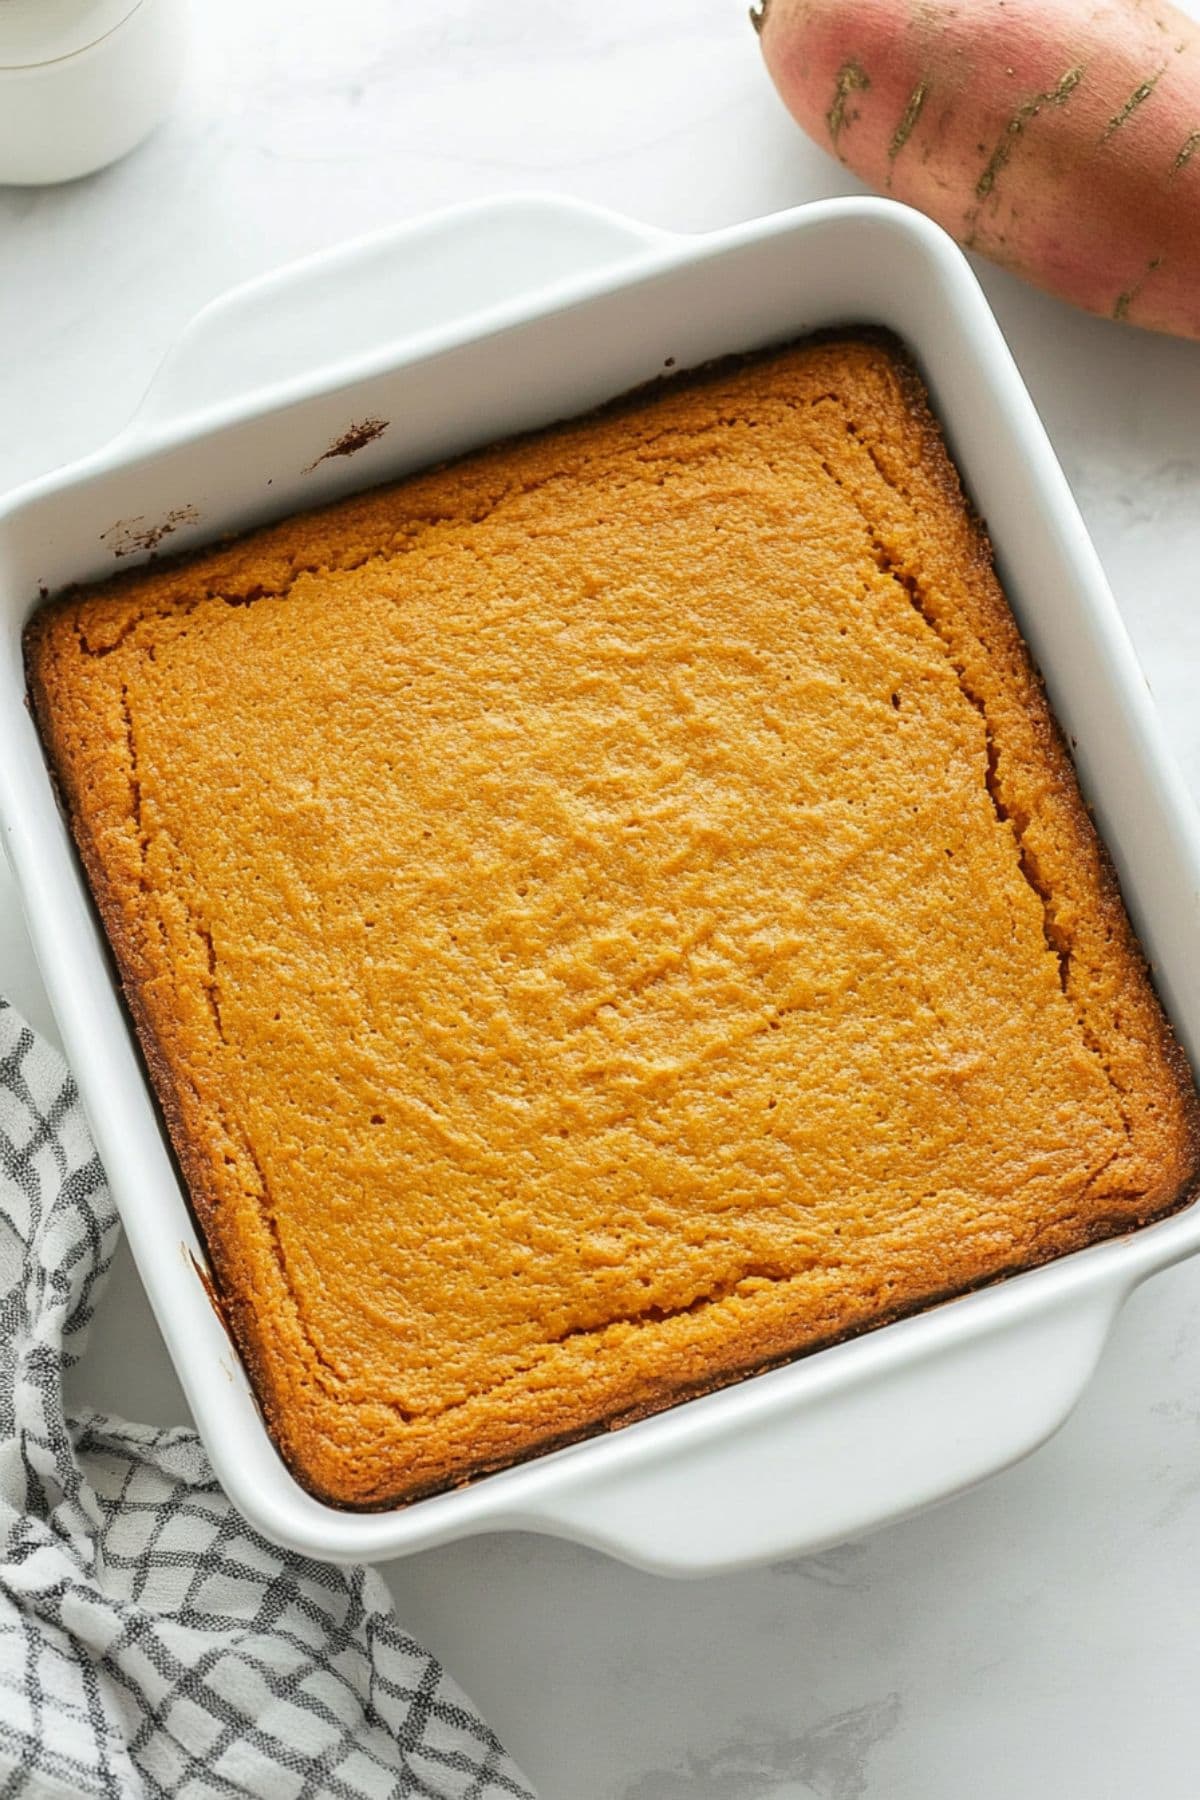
606,916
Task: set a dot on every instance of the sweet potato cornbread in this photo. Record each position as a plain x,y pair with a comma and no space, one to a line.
606,916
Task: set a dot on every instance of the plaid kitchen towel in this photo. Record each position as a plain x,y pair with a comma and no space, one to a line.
150,1642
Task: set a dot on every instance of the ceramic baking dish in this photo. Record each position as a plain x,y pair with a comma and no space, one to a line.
462,329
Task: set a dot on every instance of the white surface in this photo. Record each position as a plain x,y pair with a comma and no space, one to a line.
1039,1637
459,328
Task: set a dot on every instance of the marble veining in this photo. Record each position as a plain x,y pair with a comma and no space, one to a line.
829,1761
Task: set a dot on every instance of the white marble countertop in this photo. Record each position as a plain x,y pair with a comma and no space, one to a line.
1039,1637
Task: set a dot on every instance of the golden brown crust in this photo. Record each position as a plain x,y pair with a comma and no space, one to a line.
930,1040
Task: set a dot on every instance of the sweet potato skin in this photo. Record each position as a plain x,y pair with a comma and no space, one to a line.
1061,138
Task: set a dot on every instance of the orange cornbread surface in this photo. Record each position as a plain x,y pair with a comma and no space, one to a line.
606,916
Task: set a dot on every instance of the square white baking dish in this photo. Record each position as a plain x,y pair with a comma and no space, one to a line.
452,332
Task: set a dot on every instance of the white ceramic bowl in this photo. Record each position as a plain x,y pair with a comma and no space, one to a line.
458,330
82,82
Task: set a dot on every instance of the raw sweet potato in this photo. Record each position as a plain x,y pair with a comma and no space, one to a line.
1059,137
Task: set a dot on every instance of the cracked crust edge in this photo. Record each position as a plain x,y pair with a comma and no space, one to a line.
313,1459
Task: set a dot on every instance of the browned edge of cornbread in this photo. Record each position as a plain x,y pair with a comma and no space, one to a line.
995,620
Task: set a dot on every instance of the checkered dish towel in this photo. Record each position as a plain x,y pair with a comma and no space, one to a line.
150,1642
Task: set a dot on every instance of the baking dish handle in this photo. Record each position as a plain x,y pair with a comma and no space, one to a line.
334,314
791,1476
